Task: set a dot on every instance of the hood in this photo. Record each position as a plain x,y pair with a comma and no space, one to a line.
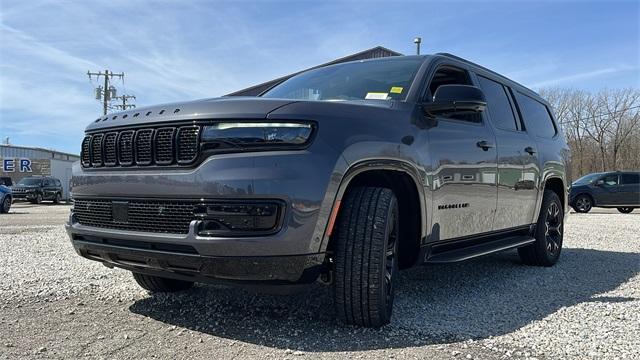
215,108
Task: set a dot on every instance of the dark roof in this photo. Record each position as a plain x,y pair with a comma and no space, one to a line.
376,52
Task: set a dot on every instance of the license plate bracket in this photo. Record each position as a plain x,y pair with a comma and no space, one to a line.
120,211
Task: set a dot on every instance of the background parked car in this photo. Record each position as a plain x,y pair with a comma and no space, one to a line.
619,190
38,188
5,197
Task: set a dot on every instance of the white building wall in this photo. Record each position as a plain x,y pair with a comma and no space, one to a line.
61,169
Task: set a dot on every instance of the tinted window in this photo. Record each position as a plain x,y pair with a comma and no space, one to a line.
498,103
629,179
375,80
610,180
58,182
536,116
30,181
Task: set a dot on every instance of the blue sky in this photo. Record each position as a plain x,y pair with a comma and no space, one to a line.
182,50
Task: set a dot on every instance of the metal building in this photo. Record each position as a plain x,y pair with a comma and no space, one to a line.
376,52
22,161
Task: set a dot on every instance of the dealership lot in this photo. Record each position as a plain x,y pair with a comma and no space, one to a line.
54,304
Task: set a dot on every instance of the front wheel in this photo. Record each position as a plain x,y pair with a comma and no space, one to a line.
57,199
583,204
366,256
545,251
6,205
160,284
625,210
38,199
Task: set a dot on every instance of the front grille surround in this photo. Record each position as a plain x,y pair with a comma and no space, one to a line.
148,147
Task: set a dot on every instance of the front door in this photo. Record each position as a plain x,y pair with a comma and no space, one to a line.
463,168
606,192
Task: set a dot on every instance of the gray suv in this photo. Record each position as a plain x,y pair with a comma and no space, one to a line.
341,175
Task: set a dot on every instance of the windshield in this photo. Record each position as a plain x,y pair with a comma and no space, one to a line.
387,79
29,181
587,179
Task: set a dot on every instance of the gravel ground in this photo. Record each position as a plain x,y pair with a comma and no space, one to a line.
55,304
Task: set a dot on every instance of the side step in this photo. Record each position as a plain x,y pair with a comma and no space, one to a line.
475,250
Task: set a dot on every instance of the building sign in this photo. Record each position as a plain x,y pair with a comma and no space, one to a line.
16,165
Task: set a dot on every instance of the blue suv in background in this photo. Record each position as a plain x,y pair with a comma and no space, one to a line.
620,189
6,198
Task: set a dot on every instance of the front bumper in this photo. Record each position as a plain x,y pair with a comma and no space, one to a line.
298,179
24,196
181,262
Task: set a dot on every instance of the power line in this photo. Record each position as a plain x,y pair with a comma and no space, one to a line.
602,114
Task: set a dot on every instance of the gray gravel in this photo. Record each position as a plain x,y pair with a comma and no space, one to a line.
54,304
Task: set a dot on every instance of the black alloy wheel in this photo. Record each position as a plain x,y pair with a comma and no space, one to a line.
583,204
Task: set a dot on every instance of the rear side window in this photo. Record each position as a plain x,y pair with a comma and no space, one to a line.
536,116
627,179
498,103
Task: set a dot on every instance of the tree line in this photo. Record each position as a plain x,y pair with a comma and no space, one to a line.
602,128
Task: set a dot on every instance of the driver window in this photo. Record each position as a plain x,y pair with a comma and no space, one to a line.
447,75
610,180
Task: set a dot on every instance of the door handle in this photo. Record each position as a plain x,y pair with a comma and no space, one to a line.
530,150
485,145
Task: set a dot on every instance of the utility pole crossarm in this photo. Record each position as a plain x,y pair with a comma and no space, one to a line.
108,92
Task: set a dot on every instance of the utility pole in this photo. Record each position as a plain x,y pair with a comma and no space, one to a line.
417,41
124,99
107,92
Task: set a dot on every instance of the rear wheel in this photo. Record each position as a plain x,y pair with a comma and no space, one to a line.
625,210
366,256
583,204
545,251
160,284
6,205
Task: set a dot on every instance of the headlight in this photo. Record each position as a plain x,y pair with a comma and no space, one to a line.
252,135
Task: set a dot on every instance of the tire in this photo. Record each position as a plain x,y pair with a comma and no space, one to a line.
366,256
583,204
57,199
6,205
625,210
545,251
160,284
38,199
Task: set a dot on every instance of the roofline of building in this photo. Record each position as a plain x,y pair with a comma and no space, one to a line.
40,149
332,62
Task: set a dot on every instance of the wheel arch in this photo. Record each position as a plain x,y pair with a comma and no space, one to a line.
407,185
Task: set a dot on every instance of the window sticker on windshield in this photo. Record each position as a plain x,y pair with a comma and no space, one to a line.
396,90
376,96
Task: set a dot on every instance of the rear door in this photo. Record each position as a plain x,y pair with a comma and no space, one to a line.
629,189
463,171
48,188
517,158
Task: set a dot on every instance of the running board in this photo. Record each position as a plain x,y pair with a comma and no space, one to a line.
472,251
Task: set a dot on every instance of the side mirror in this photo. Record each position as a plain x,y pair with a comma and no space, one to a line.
454,99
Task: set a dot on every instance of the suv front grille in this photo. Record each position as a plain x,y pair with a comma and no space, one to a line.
157,216
166,146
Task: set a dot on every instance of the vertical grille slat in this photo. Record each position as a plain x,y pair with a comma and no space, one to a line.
110,154
143,146
85,152
188,144
163,146
125,148
96,150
